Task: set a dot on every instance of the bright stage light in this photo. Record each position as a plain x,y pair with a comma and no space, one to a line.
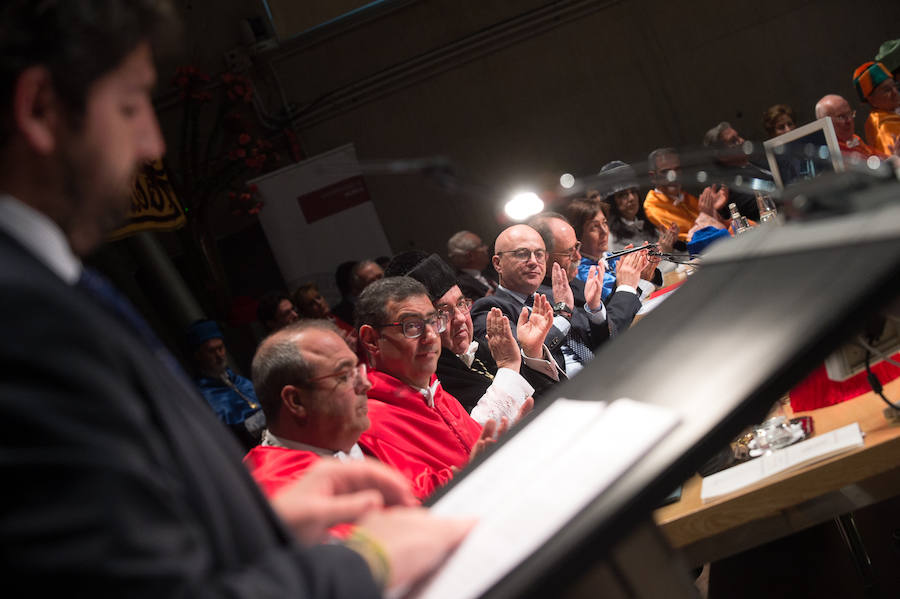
522,205
567,181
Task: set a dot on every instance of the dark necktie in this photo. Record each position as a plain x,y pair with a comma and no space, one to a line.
106,294
582,351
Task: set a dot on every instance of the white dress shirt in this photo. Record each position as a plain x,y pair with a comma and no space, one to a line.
505,396
270,440
41,236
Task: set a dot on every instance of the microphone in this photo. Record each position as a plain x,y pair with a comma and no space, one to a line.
614,255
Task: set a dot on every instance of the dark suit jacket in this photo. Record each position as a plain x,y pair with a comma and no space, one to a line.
589,333
471,287
469,386
121,480
621,306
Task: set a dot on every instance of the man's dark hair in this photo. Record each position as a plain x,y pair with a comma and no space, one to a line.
371,307
268,305
541,224
78,42
280,363
342,276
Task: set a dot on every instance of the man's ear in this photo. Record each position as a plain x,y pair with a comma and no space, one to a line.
292,400
368,337
496,262
37,112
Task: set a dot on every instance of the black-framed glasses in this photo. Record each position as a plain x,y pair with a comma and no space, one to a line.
352,374
463,305
569,252
414,326
524,254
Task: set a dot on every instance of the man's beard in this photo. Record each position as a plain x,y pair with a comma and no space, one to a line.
218,371
96,207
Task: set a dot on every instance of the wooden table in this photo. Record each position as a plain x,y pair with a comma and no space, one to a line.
797,500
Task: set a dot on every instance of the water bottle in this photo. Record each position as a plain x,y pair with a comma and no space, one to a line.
739,223
767,212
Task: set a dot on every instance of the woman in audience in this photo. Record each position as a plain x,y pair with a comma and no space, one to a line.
311,304
779,119
625,216
590,217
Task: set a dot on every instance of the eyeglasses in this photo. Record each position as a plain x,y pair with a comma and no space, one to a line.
847,116
524,254
354,374
414,326
571,252
463,305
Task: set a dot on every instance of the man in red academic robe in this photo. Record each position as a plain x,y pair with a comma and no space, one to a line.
313,391
417,427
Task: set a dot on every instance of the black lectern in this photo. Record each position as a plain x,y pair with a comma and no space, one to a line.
763,311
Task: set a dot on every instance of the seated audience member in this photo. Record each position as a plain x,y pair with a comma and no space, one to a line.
563,255
489,379
668,204
889,56
875,85
416,426
276,311
469,256
342,282
628,225
733,165
520,259
842,116
311,304
778,120
360,276
230,395
313,392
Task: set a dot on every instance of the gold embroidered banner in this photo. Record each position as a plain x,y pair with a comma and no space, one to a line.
154,205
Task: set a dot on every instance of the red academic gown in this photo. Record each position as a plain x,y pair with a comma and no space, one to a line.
274,467
420,441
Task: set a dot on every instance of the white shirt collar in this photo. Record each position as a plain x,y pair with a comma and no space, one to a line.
40,236
469,355
428,393
270,440
520,297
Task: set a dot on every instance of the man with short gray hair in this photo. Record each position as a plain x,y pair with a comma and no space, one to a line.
733,168
313,391
469,256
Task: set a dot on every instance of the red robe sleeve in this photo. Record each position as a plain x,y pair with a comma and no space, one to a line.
274,467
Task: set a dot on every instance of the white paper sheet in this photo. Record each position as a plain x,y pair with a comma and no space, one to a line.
794,456
534,484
